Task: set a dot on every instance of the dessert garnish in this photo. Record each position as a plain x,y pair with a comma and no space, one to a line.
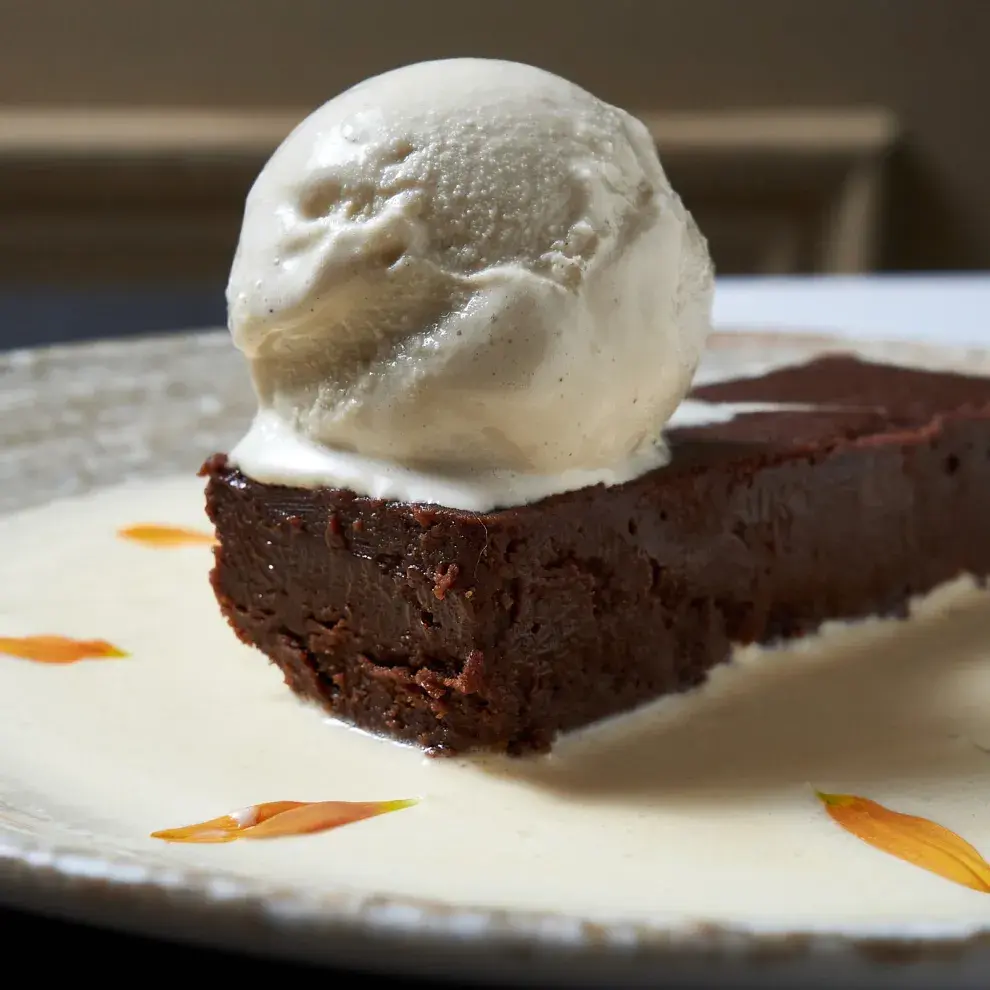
276,819
163,536
59,649
910,838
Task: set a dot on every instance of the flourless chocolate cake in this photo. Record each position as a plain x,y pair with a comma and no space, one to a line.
460,631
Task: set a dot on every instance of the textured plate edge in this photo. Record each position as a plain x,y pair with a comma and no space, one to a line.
403,937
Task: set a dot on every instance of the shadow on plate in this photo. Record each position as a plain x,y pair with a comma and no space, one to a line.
873,703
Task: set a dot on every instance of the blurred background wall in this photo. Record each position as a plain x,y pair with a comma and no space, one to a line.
807,135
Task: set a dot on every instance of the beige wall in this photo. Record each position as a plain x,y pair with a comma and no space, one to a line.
926,59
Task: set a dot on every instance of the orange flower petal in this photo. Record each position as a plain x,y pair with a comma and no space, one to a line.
58,649
280,818
223,829
914,840
153,535
226,828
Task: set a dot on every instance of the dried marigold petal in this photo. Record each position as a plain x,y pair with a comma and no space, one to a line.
59,649
160,536
275,819
909,838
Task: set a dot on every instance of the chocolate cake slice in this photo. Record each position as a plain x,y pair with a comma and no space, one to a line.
461,631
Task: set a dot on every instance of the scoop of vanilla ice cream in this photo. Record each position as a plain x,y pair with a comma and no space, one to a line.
466,282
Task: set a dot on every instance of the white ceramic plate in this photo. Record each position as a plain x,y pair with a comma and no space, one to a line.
684,845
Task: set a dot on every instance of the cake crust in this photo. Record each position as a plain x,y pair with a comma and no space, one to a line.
496,631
